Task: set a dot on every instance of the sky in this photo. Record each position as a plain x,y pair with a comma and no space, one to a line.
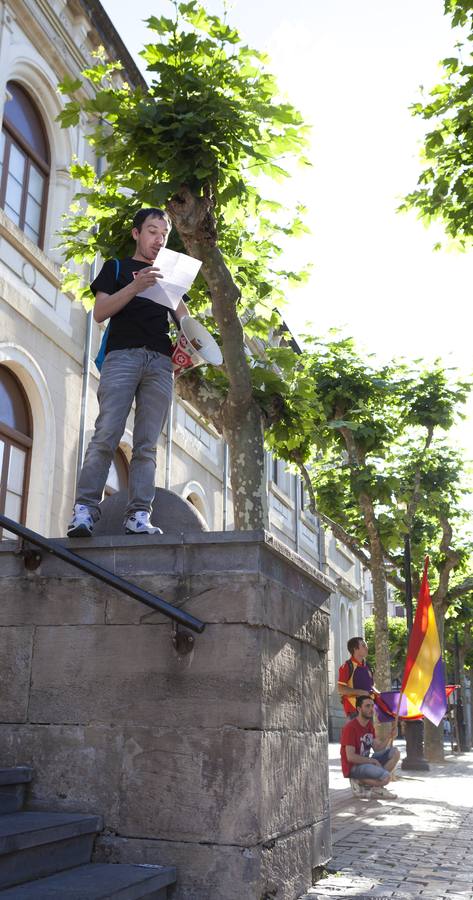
353,67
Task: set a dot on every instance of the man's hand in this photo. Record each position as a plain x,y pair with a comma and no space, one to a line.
145,278
374,762
107,305
345,691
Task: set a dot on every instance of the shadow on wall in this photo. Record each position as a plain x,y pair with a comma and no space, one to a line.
170,513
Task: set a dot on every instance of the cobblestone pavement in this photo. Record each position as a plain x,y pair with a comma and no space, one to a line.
418,846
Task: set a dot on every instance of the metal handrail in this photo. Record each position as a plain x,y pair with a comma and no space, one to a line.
132,590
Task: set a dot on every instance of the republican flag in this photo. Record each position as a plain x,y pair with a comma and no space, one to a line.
389,702
423,684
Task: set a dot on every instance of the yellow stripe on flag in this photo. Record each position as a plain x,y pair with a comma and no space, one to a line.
420,676
412,709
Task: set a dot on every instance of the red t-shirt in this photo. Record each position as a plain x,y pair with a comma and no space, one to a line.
358,736
356,675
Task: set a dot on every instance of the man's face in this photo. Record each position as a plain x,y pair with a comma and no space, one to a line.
153,235
367,709
362,650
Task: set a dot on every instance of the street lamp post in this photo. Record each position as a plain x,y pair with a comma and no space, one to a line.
459,717
414,730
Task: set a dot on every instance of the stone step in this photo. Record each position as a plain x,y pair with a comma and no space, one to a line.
97,881
13,784
36,844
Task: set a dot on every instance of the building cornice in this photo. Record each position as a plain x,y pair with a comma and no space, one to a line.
35,17
346,588
39,21
112,41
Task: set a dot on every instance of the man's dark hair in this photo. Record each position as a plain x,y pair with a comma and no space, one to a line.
360,700
353,644
152,211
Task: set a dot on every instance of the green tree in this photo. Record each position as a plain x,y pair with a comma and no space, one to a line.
445,185
446,526
397,636
365,437
199,140
445,192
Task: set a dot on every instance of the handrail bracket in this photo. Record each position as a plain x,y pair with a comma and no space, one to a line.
183,641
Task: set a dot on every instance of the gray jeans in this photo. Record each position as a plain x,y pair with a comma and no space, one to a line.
127,374
368,770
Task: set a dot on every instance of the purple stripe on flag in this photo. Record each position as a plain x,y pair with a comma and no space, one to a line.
391,699
434,704
382,716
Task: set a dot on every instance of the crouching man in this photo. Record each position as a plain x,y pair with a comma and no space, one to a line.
369,772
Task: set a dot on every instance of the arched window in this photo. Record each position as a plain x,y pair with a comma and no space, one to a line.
24,164
351,622
196,501
117,479
16,435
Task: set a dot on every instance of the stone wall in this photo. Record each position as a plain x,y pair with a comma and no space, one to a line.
216,761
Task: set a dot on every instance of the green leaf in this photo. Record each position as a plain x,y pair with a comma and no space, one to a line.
70,115
69,85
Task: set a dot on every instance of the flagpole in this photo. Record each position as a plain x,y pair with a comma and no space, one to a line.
396,717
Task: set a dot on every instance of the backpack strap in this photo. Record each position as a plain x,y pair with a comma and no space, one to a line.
99,359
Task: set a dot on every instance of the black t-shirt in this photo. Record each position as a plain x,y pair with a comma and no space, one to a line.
142,322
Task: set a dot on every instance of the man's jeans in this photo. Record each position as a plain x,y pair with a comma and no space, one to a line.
367,770
126,374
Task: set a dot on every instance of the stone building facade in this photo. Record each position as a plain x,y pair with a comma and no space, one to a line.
47,384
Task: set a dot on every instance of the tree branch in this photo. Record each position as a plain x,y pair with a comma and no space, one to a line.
452,559
414,501
458,590
205,398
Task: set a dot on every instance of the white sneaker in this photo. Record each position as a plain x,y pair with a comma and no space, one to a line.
82,523
139,523
359,790
382,793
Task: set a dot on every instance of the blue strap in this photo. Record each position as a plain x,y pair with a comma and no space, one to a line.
99,359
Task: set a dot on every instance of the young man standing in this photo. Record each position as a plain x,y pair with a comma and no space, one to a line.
355,676
356,743
137,367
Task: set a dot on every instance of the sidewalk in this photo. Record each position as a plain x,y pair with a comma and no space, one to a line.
418,846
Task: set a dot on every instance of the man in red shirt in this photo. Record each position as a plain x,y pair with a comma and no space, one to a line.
364,769
355,677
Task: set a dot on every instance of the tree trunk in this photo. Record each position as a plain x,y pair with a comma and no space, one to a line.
243,431
433,742
381,632
378,572
241,417
465,648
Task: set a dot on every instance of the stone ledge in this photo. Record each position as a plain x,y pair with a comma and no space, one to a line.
37,257
124,544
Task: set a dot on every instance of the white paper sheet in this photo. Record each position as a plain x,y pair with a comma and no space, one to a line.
179,271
